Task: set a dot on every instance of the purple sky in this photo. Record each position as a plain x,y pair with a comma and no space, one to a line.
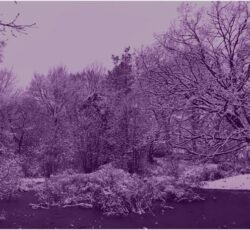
77,34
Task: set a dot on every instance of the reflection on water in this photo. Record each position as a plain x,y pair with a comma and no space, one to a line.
221,209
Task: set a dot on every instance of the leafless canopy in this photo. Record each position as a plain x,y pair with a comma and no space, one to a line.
14,27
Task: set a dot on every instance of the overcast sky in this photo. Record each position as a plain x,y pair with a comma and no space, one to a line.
77,34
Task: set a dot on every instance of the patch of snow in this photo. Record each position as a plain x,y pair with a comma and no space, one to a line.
29,184
239,182
34,180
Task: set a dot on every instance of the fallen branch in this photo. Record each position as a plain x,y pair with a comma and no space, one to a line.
41,205
167,206
83,205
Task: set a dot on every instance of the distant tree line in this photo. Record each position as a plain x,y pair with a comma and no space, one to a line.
186,96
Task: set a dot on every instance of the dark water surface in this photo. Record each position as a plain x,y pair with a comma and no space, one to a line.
221,209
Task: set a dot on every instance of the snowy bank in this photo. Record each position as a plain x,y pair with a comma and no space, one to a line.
240,182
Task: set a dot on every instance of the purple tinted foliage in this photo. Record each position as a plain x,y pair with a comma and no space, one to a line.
150,129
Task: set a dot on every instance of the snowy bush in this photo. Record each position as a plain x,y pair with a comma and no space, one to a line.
10,174
31,184
114,191
196,174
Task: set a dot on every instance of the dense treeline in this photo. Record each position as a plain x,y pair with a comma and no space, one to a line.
184,97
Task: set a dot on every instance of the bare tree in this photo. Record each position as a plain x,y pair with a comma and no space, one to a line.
14,27
203,64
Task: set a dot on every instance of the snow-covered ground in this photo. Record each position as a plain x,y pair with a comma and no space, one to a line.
240,182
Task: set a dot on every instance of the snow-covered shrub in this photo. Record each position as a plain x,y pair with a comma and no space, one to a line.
30,166
114,191
234,168
31,184
10,174
196,174
226,166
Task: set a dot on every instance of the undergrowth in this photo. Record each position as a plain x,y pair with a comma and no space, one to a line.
10,174
114,191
